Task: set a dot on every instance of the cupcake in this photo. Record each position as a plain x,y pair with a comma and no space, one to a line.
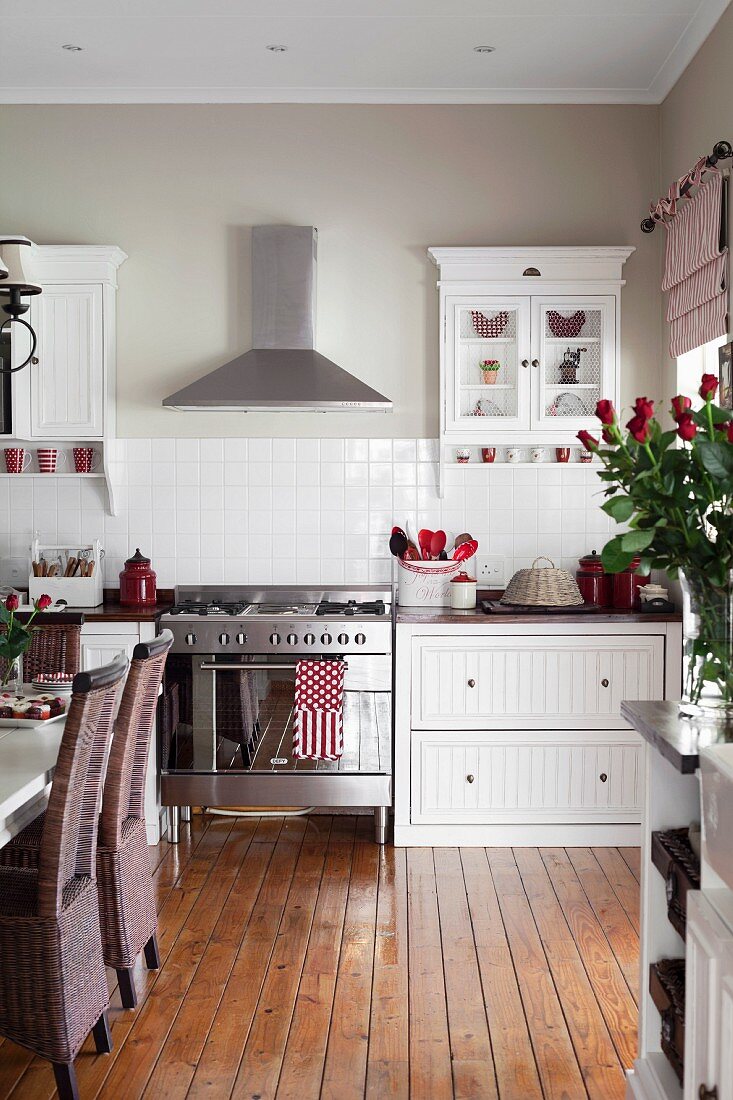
6,711
39,711
20,709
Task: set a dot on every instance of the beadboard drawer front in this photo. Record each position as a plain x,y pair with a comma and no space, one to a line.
503,777
550,682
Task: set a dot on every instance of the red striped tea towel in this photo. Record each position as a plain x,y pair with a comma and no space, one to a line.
319,706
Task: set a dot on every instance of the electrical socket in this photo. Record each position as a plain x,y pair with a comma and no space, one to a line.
14,572
490,571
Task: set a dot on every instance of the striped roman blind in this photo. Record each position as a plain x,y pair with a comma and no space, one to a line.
696,269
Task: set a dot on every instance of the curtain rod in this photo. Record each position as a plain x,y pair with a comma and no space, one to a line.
722,150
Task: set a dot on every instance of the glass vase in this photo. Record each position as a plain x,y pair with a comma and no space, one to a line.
707,618
11,675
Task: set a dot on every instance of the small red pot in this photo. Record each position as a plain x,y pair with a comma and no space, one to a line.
137,582
596,586
626,587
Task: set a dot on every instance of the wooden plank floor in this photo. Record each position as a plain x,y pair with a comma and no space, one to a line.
300,962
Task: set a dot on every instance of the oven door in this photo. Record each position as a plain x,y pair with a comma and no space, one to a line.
223,715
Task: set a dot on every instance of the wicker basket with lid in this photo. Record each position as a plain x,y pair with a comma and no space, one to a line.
546,587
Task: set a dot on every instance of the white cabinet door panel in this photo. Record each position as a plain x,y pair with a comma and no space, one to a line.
66,384
100,649
553,681
507,777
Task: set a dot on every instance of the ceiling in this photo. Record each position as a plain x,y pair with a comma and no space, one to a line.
381,51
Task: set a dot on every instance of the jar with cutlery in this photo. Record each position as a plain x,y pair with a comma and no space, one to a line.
69,574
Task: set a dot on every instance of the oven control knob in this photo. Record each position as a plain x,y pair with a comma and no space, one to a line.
326,639
223,639
360,639
241,639
310,639
274,639
292,639
343,639
190,639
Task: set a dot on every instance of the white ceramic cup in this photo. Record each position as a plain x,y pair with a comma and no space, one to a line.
537,454
513,454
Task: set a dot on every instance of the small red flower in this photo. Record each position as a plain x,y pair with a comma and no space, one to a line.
43,602
608,436
638,427
730,431
708,386
644,407
686,427
589,441
605,411
680,405
11,602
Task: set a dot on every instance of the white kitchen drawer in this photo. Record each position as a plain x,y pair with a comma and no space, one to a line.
505,776
554,681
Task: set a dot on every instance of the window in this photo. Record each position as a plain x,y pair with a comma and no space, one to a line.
693,364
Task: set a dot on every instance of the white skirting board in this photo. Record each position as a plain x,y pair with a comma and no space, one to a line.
652,1078
517,836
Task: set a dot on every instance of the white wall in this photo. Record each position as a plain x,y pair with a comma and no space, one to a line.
301,510
179,187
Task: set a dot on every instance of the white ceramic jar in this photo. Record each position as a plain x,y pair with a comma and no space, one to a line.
462,592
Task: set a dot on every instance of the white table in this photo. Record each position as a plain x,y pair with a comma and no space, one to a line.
27,762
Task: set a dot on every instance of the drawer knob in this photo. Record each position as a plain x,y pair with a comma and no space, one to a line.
604,682
472,683
603,777
708,1094
470,778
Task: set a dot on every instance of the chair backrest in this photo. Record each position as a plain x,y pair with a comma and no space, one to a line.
124,785
55,646
69,843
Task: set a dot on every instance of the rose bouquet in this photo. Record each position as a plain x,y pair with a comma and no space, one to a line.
674,489
15,637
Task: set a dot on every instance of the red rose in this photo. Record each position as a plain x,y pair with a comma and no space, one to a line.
589,442
43,602
680,405
605,411
686,427
11,602
708,386
730,431
638,427
608,436
644,407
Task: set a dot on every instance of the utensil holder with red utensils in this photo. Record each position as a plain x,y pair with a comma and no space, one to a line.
426,583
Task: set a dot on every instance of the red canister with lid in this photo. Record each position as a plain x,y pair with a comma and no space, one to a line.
137,582
626,587
595,584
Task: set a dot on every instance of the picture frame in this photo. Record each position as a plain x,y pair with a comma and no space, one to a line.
725,361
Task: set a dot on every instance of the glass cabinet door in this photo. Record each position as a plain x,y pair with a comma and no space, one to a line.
573,352
487,365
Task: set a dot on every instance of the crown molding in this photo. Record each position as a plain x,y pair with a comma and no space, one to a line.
686,47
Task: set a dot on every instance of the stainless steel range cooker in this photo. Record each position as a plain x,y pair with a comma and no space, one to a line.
226,715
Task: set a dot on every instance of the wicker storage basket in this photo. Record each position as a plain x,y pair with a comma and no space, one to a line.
542,587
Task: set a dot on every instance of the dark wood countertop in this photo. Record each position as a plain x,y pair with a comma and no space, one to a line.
678,739
111,611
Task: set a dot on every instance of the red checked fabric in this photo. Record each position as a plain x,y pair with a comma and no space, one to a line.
319,710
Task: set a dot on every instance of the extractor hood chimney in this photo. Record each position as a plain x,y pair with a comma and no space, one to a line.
283,372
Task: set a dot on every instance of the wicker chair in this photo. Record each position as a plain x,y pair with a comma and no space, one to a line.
53,986
55,646
126,902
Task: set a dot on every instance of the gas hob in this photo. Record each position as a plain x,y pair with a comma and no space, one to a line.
250,621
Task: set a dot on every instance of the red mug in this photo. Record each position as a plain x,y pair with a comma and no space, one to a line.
48,458
85,460
488,454
562,454
17,459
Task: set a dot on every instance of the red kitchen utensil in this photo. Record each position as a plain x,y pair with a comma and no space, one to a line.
398,543
465,551
398,531
437,543
425,538
411,553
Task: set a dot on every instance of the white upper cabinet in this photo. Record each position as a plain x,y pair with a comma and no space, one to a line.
68,391
530,341
67,382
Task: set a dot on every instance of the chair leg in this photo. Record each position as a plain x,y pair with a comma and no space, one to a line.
152,955
128,993
102,1036
66,1081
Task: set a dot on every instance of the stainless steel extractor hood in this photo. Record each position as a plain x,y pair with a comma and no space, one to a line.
283,372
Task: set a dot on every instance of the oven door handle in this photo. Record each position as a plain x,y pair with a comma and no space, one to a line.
208,666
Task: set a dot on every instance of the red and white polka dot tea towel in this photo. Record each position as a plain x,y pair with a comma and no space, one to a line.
319,710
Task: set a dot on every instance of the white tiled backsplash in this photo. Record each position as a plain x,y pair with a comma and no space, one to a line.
307,511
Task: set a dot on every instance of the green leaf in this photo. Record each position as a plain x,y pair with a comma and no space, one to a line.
634,541
619,508
717,458
615,559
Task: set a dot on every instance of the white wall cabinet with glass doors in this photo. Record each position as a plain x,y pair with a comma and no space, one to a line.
66,395
530,342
